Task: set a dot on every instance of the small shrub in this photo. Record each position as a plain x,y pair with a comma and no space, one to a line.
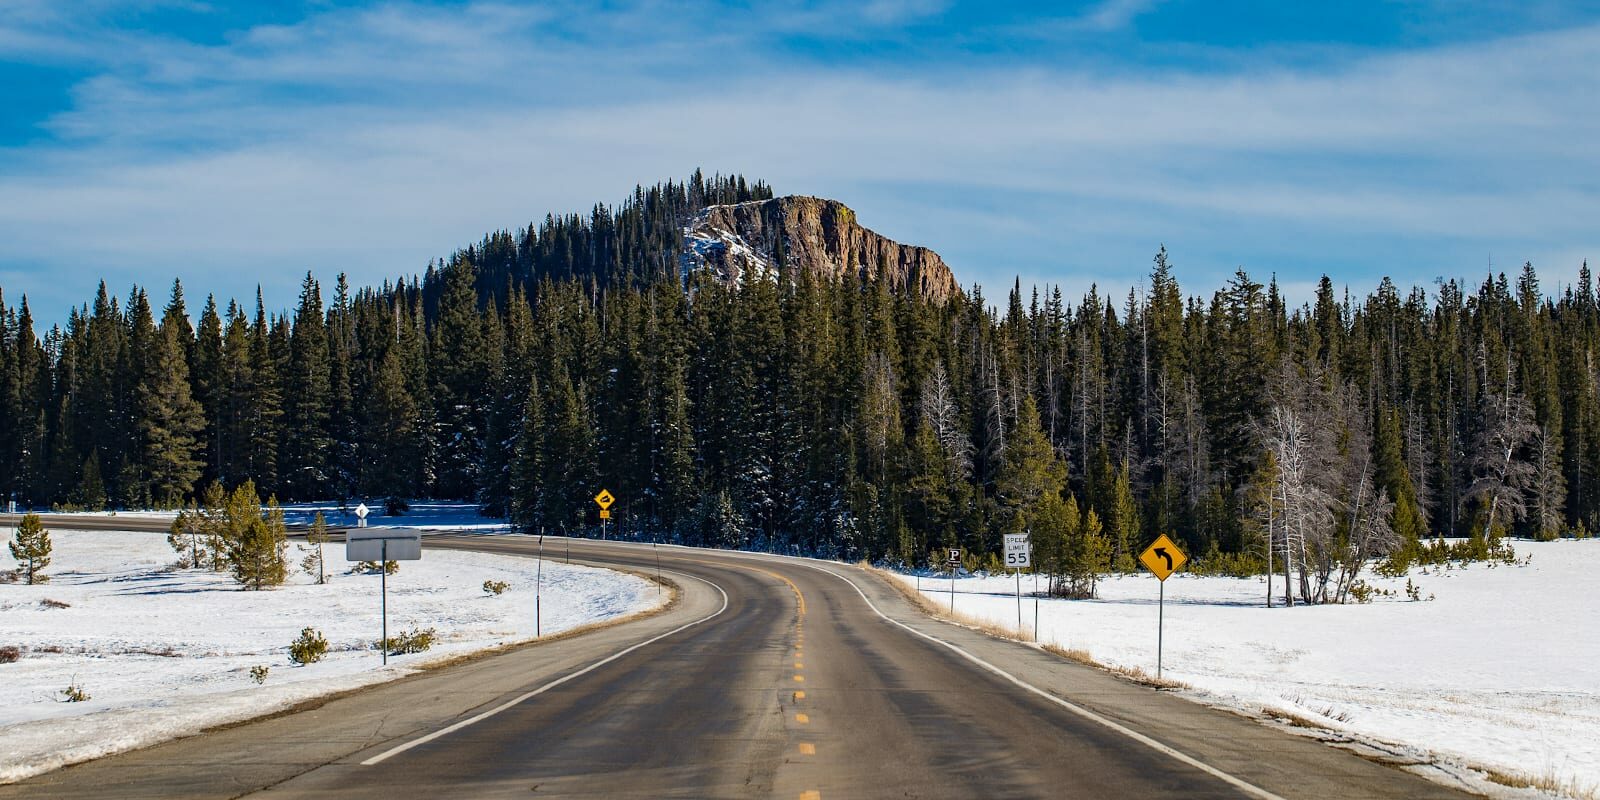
9,576
1397,564
309,648
1413,591
258,673
9,654
395,506
495,587
370,567
74,693
1363,592
413,641
48,603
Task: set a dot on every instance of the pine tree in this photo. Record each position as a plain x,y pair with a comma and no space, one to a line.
460,362
528,503
170,420
256,545
1121,522
91,492
315,563
31,547
307,451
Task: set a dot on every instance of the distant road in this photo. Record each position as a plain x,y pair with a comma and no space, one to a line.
770,677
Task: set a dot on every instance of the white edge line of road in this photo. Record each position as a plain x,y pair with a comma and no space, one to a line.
1237,783
524,697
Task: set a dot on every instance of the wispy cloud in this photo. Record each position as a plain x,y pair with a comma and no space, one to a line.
373,139
1114,14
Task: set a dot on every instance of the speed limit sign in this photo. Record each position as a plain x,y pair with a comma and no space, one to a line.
1017,550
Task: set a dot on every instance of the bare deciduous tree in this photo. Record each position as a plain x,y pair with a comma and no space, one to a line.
1499,478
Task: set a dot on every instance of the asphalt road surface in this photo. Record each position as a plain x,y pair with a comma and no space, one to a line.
768,677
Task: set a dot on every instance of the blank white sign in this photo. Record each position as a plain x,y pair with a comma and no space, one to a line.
367,544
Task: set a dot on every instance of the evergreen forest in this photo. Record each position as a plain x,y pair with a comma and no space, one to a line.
836,417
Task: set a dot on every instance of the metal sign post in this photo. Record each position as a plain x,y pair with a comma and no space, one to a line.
1162,558
538,587
361,515
383,592
955,566
374,544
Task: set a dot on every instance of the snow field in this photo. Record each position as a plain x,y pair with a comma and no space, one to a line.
165,653
1501,669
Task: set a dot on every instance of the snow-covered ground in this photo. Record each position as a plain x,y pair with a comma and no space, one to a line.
165,652
425,514
1500,669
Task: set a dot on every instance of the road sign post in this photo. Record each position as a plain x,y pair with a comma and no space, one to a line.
1163,557
1018,555
604,501
955,565
361,515
538,586
383,545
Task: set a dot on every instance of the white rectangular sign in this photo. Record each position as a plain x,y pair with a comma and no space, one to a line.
368,544
1017,550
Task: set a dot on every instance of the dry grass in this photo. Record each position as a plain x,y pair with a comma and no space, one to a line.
1296,720
1080,656
1015,634
48,603
1549,783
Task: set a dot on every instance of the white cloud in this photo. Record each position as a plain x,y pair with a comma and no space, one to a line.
1111,15
374,140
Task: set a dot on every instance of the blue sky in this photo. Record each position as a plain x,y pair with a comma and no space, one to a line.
237,144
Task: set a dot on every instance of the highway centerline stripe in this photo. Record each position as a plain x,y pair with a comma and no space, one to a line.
519,699
808,749
1248,788
802,719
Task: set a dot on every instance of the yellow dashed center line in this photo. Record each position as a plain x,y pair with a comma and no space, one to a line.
799,695
811,796
802,719
799,679
798,665
808,749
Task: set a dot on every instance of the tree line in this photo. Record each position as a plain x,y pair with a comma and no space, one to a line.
839,417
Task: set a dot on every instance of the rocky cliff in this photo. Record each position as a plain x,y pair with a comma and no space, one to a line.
808,233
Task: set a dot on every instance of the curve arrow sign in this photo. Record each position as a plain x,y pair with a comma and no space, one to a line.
1162,551
1163,557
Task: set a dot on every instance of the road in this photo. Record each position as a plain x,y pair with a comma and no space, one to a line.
768,677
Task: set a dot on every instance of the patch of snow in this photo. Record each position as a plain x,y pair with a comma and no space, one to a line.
1500,669
704,245
165,652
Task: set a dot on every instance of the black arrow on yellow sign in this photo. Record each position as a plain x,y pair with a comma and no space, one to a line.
1162,551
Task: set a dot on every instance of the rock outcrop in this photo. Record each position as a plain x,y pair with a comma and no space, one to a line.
812,234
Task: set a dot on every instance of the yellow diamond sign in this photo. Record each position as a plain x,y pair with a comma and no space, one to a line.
604,499
1163,557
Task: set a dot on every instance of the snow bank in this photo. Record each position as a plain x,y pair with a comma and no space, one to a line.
428,515
1501,668
165,653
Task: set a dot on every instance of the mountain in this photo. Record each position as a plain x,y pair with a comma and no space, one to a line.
813,234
